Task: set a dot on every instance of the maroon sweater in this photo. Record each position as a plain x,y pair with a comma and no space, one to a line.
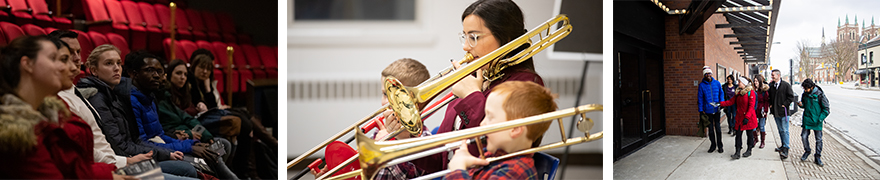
471,111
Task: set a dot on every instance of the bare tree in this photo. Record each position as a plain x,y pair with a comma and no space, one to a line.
806,60
842,56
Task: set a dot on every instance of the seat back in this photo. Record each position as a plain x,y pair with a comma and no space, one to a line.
163,13
38,7
98,38
545,164
238,57
210,20
33,30
202,44
115,11
148,12
119,41
195,20
253,56
181,20
50,29
268,57
18,5
11,31
3,40
133,13
95,10
220,54
188,48
228,25
179,52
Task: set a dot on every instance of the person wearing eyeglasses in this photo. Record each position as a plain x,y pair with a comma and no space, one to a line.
486,26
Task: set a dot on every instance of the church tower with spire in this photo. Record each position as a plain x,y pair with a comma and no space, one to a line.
871,31
848,31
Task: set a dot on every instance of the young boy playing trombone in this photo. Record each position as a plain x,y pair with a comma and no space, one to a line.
507,101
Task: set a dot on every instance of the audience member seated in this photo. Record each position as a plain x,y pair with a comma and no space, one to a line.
40,138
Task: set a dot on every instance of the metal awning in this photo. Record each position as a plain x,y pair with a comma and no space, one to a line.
752,21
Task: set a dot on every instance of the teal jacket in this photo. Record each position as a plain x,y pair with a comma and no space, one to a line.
816,109
174,118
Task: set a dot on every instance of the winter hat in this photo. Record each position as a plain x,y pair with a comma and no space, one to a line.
744,80
706,69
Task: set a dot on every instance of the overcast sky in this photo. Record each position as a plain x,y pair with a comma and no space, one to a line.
804,19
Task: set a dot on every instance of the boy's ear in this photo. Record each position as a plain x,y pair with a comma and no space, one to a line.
517,132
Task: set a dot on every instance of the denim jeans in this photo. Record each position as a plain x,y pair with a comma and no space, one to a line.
805,137
715,130
761,122
731,112
782,127
180,168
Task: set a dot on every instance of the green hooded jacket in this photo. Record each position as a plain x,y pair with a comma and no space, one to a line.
173,118
816,109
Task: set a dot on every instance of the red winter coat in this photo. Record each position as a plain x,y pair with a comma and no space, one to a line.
745,108
46,146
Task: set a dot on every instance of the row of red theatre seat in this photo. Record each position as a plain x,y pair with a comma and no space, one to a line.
88,41
31,12
145,24
248,61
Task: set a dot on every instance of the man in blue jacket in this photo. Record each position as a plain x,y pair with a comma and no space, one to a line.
146,72
708,94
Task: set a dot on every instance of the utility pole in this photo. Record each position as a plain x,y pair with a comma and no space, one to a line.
790,70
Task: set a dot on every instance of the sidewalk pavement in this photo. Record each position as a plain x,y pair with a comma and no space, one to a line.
685,157
852,86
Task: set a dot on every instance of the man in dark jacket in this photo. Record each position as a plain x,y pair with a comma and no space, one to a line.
710,92
781,97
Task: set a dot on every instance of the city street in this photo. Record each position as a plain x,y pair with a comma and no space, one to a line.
854,113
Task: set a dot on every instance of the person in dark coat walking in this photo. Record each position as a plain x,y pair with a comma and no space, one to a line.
781,97
816,109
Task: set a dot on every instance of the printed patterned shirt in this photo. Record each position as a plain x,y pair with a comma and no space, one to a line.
518,167
401,171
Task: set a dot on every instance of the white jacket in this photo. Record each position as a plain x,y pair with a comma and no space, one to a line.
103,152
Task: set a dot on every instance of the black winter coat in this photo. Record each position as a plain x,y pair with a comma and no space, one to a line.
117,118
781,96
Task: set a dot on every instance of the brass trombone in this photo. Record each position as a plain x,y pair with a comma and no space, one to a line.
374,156
404,100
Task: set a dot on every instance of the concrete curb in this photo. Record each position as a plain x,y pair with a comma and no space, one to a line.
857,149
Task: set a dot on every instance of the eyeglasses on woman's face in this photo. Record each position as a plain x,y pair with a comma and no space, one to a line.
469,39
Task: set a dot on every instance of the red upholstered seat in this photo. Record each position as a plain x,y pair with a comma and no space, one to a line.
188,48
11,31
202,44
178,54
3,8
154,26
253,61
118,41
33,30
20,10
98,38
44,17
85,43
137,35
241,66
221,61
269,57
50,29
227,27
198,26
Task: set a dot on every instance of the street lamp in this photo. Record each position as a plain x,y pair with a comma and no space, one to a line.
791,70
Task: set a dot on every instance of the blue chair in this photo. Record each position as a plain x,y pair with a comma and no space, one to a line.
545,164
434,131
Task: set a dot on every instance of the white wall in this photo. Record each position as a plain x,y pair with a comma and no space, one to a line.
331,59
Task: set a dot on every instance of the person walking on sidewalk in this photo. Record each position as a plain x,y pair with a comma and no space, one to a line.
762,105
816,109
729,92
780,97
744,119
710,92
